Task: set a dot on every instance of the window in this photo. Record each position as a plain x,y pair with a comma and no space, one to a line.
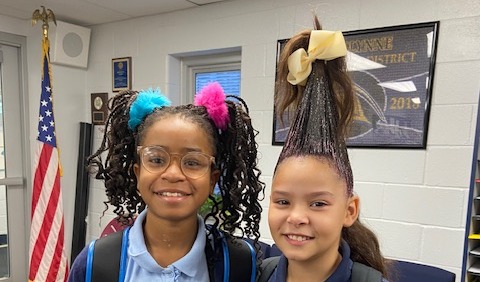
199,69
229,79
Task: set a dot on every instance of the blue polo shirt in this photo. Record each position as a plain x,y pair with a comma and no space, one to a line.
343,273
141,266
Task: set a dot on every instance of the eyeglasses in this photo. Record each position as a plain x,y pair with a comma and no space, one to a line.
156,160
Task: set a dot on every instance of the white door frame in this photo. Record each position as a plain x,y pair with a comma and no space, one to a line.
17,151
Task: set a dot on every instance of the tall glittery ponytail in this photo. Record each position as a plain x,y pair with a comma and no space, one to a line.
322,109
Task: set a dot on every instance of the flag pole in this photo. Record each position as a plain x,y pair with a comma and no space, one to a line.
46,15
47,257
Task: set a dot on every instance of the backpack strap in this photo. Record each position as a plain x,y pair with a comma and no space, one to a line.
107,258
267,267
363,273
236,252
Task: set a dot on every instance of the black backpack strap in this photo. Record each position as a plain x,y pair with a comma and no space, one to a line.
363,273
267,267
106,259
238,252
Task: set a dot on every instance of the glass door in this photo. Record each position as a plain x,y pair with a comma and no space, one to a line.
13,220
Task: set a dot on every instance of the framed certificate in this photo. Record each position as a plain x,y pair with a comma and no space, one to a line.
121,74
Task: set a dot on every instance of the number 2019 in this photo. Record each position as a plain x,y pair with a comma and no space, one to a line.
402,103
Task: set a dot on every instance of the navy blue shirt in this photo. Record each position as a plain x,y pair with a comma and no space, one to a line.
343,273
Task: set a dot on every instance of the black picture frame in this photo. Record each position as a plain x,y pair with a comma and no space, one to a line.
121,74
393,70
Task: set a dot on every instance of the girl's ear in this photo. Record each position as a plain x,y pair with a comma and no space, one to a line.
352,211
214,179
136,170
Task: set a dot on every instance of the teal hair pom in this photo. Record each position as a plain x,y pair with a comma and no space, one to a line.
145,103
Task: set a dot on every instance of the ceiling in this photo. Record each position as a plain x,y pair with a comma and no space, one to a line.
92,12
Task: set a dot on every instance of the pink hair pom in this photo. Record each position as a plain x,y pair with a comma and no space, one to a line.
212,98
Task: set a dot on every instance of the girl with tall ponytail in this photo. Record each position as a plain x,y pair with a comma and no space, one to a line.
313,212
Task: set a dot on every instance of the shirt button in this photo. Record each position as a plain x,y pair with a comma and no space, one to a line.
168,272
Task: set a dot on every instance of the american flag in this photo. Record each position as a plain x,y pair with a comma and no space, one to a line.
48,261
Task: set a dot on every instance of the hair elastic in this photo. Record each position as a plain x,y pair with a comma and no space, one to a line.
145,103
213,98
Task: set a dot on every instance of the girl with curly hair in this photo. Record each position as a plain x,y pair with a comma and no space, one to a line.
162,163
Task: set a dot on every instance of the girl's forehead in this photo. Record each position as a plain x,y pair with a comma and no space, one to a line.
306,164
176,131
306,173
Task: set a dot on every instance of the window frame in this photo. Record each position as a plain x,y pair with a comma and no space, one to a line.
195,64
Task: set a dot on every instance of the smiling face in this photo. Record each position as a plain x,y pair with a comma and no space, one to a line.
170,195
308,209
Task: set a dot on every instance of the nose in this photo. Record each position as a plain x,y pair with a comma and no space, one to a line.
173,172
298,216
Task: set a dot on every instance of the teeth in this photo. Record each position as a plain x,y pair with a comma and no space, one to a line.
171,194
298,238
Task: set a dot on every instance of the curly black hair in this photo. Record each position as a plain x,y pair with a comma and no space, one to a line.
235,152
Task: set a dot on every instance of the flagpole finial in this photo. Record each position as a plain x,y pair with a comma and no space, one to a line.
46,16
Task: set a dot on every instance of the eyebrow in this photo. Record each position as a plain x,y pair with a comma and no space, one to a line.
187,149
312,194
321,193
193,150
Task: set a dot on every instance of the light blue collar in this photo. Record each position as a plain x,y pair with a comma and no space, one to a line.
194,260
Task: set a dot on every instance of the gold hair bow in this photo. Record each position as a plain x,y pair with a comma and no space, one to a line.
323,45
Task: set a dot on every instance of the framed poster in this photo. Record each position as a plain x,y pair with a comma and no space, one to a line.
392,69
121,74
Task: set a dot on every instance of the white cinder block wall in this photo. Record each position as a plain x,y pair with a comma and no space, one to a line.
415,200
